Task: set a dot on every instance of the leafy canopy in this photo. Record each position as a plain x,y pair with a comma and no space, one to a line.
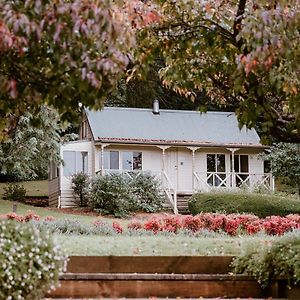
60,53
242,53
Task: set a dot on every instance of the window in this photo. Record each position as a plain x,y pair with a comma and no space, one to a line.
114,160
241,168
241,163
75,162
215,162
137,161
267,166
215,169
124,160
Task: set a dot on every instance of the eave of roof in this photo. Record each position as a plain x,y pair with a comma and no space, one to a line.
176,143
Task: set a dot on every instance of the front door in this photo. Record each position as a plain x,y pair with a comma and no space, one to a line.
179,169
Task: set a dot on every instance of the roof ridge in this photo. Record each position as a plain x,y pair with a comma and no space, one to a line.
162,110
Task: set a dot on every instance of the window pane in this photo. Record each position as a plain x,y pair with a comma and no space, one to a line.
137,160
211,163
267,166
127,160
114,160
236,164
106,158
69,158
78,162
84,158
220,162
244,167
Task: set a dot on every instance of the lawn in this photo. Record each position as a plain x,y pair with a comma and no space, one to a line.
40,188
33,188
157,245
217,244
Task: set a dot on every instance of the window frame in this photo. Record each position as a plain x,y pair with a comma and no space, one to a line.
216,162
106,160
238,156
79,162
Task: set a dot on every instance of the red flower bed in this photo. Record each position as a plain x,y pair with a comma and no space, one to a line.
231,224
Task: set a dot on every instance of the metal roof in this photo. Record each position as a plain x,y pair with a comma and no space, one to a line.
133,125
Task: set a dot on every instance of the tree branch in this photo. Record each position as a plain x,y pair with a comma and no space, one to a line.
237,25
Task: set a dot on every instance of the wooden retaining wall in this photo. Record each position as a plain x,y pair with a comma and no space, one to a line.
158,276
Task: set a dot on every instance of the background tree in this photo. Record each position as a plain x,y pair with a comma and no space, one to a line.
241,53
140,92
36,139
285,162
59,53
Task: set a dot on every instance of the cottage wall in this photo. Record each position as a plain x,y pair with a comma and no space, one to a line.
67,198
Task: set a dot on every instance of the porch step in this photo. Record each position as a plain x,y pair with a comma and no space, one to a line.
182,203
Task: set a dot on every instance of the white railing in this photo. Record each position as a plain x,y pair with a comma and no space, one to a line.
221,180
170,191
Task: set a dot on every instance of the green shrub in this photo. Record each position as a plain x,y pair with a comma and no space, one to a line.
29,261
15,192
147,193
278,259
118,194
80,183
111,194
262,205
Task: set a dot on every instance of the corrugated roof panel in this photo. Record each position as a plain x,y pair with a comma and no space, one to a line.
170,125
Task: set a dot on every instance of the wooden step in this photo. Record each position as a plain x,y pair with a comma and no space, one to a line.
164,277
158,285
150,264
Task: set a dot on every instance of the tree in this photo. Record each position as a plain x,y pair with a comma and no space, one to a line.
59,53
285,162
36,141
241,53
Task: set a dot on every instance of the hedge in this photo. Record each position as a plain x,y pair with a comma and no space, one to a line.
261,205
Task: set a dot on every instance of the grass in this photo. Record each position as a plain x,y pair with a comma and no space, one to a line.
34,188
6,207
157,245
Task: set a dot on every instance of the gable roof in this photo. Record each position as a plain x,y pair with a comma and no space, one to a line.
141,126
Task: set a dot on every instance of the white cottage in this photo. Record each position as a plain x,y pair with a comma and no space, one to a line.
188,151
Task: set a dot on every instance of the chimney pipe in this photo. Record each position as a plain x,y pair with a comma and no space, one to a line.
155,107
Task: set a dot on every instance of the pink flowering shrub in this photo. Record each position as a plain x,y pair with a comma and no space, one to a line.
31,216
49,219
192,223
117,227
135,225
231,224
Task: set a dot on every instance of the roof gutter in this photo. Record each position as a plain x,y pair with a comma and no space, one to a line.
174,143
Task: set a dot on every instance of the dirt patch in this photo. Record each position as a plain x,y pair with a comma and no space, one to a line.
37,201
76,211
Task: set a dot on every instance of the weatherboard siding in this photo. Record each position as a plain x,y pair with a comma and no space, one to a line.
53,192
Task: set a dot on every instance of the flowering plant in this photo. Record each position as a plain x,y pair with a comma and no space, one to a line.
30,262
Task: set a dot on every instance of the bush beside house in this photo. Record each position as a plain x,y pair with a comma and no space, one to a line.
257,204
119,194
